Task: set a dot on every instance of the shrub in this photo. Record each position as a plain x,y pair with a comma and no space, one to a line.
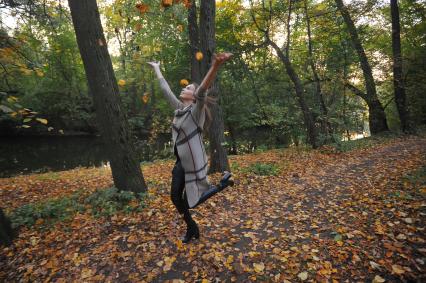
48,211
263,169
107,202
104,202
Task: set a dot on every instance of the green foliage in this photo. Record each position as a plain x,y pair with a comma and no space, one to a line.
345,146
263,169
107,202
48,212
43,70
103,202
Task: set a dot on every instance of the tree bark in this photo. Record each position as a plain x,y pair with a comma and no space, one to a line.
112,122
194,42
377,117
218,156
398,79
325,125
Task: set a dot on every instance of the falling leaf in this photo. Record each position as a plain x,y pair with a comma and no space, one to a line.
41,120
145,98
184,82
39,73
142,8
5,109
166,3
187,3
199,56
121,82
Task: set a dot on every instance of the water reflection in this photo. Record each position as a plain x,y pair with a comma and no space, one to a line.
40,154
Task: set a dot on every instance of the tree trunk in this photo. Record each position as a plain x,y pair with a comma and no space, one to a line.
307,113
112,122
325,125
218,156
377,117
6,232
194,42
398,79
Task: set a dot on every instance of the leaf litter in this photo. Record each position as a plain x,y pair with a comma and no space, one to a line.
326,216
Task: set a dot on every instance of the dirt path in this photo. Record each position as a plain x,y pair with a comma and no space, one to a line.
324,217
332,220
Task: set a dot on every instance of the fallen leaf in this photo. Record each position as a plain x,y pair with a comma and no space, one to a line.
378,279
303,275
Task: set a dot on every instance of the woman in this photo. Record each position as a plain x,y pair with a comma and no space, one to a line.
190,186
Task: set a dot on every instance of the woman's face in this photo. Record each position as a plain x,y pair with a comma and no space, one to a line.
187,93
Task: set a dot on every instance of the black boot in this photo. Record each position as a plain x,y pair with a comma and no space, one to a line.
191,232
191,228
225,181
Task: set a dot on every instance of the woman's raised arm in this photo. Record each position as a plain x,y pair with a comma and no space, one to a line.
200,93
165,88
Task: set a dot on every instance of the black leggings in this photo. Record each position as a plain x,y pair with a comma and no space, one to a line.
178,188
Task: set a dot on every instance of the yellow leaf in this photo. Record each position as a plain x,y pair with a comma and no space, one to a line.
121,82
378,279
145,98
398,269
39,73
230,259
41,120
205,281
199,56
259,267
184,82
86,273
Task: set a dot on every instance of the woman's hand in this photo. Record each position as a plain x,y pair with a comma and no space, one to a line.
219,59
154,64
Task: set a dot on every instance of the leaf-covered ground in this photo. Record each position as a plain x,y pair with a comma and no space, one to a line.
325,216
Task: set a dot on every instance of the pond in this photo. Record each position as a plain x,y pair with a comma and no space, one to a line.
36,154
23,155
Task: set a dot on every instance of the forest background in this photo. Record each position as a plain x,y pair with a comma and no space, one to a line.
296,76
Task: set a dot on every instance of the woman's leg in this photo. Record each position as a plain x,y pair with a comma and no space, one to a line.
214,189
180,202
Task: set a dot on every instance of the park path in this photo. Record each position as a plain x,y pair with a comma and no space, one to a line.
342,216
325,216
